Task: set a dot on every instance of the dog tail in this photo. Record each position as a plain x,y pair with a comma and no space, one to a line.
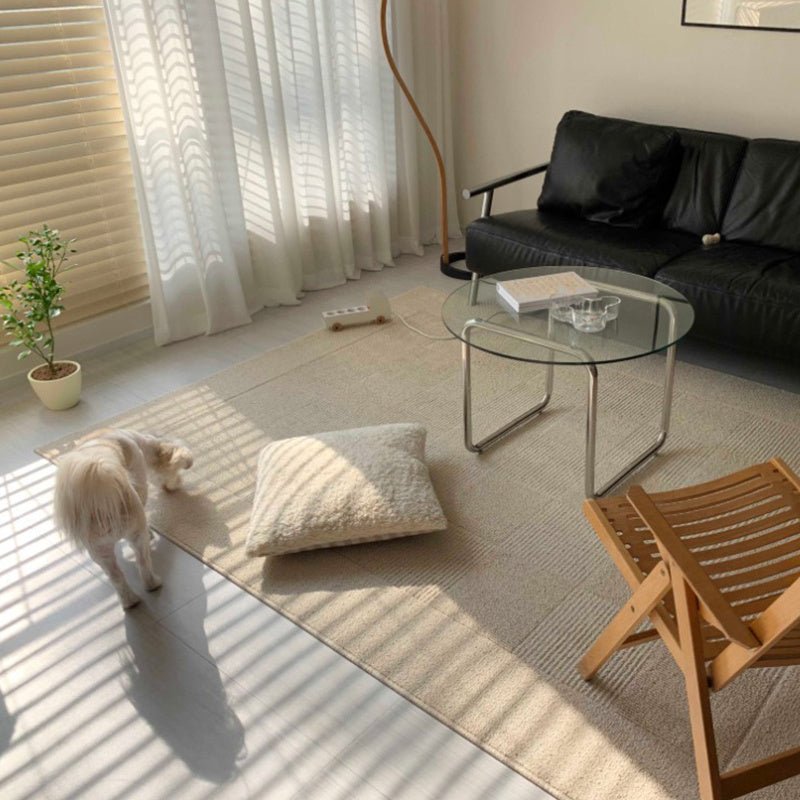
93,498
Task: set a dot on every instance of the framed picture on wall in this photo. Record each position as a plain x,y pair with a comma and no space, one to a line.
765,15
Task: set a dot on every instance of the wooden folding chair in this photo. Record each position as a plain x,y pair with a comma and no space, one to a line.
715,569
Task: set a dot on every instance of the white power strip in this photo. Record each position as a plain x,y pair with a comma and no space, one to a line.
377,310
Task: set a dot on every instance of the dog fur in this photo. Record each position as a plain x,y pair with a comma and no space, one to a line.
100,496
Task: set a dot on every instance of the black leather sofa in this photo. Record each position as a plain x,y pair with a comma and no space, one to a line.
640,198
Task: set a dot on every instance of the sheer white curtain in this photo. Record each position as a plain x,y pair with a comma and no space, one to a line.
272,153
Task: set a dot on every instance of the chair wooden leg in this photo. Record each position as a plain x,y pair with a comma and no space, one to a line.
651,592
696,680
766,772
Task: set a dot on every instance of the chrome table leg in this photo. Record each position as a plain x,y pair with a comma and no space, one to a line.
666,409
591,432
474,285
517,422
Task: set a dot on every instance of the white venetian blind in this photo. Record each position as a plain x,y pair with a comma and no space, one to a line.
63,153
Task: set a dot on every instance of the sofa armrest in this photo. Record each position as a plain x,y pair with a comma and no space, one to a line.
487,189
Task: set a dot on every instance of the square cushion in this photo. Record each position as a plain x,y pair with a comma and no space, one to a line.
765,205
610,170
342,487
709,164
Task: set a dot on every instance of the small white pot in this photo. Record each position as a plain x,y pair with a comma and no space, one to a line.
60,393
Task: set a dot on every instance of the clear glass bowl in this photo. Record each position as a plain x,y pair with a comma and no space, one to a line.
562,311
612,307
589,315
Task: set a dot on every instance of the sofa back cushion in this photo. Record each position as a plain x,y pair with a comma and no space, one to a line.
708,168
765,205
610,170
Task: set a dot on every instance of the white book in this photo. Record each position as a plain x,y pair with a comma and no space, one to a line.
530,294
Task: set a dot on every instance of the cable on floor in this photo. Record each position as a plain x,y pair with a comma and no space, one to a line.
422,333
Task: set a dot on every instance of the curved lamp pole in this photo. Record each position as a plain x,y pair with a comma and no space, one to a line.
447,258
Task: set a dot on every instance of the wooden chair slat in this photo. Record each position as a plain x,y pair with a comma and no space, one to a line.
711,649
700,490
793,635
768,570
754,536
746,592
789,662
692,515
754,559
716,522
740,492
783,650
752,608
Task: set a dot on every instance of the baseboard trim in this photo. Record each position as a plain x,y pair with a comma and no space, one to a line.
85,335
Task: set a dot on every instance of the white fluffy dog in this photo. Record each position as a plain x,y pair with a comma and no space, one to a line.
100,494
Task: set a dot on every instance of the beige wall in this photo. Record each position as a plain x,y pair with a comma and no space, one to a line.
519,64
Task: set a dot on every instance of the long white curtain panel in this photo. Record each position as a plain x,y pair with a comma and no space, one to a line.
272,154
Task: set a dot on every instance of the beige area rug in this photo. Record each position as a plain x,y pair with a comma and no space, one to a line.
482,625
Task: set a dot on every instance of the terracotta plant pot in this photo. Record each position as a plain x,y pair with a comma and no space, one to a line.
59,393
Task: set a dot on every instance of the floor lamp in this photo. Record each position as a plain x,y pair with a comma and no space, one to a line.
447,259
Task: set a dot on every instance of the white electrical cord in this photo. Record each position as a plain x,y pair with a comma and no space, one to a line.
422,333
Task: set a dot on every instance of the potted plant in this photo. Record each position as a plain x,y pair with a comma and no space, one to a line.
30,304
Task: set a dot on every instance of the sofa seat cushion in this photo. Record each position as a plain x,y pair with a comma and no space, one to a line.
743,295
534,238
610,170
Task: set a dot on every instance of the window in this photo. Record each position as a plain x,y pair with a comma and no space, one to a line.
63,151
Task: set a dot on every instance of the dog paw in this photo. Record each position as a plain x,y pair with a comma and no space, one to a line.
172,485
153,583
130,600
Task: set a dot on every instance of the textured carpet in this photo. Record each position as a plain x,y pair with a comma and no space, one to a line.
482,625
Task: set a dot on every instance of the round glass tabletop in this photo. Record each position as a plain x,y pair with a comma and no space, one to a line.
651,317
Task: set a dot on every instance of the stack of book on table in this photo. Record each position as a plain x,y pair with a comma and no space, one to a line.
531,294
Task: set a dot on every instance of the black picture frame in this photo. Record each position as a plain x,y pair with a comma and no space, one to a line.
730,27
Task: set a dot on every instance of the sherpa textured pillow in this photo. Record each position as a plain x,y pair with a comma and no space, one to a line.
342,487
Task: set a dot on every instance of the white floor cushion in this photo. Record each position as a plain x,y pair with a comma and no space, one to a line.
342,487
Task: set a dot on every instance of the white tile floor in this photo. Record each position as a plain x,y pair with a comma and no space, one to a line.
201,691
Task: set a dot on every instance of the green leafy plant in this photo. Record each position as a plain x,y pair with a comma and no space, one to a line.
30,304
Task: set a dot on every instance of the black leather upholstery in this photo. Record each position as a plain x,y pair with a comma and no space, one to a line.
610,170
765,205
744,295
536,238
745,291
709,165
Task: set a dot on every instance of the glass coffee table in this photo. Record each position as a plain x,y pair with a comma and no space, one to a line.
651,317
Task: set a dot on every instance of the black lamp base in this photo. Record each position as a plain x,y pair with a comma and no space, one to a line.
454,272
